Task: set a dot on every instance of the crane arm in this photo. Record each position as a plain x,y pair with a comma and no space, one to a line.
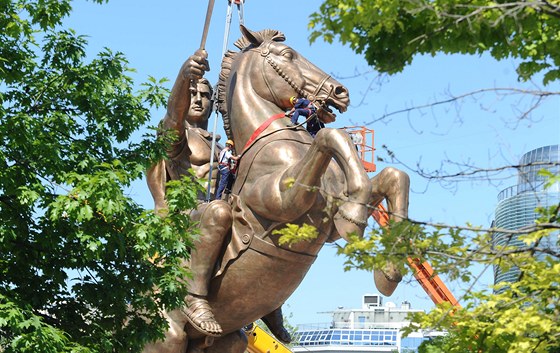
260,341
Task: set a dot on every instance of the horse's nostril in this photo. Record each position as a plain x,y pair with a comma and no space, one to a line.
340,90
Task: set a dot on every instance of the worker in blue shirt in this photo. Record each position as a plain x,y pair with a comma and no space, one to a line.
302,106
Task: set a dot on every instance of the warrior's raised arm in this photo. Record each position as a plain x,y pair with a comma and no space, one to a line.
188,107
179,102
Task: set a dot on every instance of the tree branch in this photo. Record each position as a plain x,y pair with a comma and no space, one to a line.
503,90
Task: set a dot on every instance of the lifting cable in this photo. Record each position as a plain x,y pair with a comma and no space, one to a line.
239,5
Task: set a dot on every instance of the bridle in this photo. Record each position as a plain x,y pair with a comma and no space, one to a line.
265,53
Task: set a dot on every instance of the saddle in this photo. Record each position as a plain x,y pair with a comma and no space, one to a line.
248,233
249,230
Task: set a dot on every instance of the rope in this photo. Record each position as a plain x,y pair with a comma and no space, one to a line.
214,95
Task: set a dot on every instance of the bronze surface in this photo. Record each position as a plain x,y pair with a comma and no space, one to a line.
284,176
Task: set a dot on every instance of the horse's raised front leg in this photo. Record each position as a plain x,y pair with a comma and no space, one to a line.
273,197
393,186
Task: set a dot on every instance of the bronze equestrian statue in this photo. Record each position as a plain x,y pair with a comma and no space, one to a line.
284,176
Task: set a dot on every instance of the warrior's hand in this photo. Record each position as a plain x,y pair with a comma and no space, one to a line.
196,65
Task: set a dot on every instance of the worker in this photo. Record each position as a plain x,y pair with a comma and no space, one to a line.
226,164
357,139
314,125
188,110
301,106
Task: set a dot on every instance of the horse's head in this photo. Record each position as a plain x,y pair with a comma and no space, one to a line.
267,73
287,73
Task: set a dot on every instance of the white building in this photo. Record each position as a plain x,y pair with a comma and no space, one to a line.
374,328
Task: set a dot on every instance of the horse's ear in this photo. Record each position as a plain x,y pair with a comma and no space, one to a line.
249,35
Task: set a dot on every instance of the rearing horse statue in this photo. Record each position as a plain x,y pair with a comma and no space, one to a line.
284,176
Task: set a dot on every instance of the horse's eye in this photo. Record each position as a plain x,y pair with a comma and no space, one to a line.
288,54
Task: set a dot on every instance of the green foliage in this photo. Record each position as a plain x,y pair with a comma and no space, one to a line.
389,33
294,233
81,261
516,317
433,345
550,178
522,318
403,239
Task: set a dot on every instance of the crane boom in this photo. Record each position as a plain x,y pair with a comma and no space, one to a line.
260,341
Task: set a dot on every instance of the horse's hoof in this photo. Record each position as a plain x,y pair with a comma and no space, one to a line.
283,335
275,322
387,280
200,316
279,331
352,221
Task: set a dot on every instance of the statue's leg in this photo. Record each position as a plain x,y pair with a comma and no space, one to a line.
275,322
175,340
392,185
235,342
215,223
199,345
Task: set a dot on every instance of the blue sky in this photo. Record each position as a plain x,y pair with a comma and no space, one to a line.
484,131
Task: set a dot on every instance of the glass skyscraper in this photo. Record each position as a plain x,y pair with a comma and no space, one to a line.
517,204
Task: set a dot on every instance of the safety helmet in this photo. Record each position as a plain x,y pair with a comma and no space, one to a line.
293,100
229,142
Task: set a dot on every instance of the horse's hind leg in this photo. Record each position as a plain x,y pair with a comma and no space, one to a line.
275,322
392,185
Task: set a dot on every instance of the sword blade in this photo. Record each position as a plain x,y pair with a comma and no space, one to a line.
207,23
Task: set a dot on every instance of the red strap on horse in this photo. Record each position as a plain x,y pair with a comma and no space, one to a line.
261,128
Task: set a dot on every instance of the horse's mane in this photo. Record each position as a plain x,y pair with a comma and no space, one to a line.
243,44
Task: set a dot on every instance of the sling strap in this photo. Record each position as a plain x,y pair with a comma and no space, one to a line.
261,128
